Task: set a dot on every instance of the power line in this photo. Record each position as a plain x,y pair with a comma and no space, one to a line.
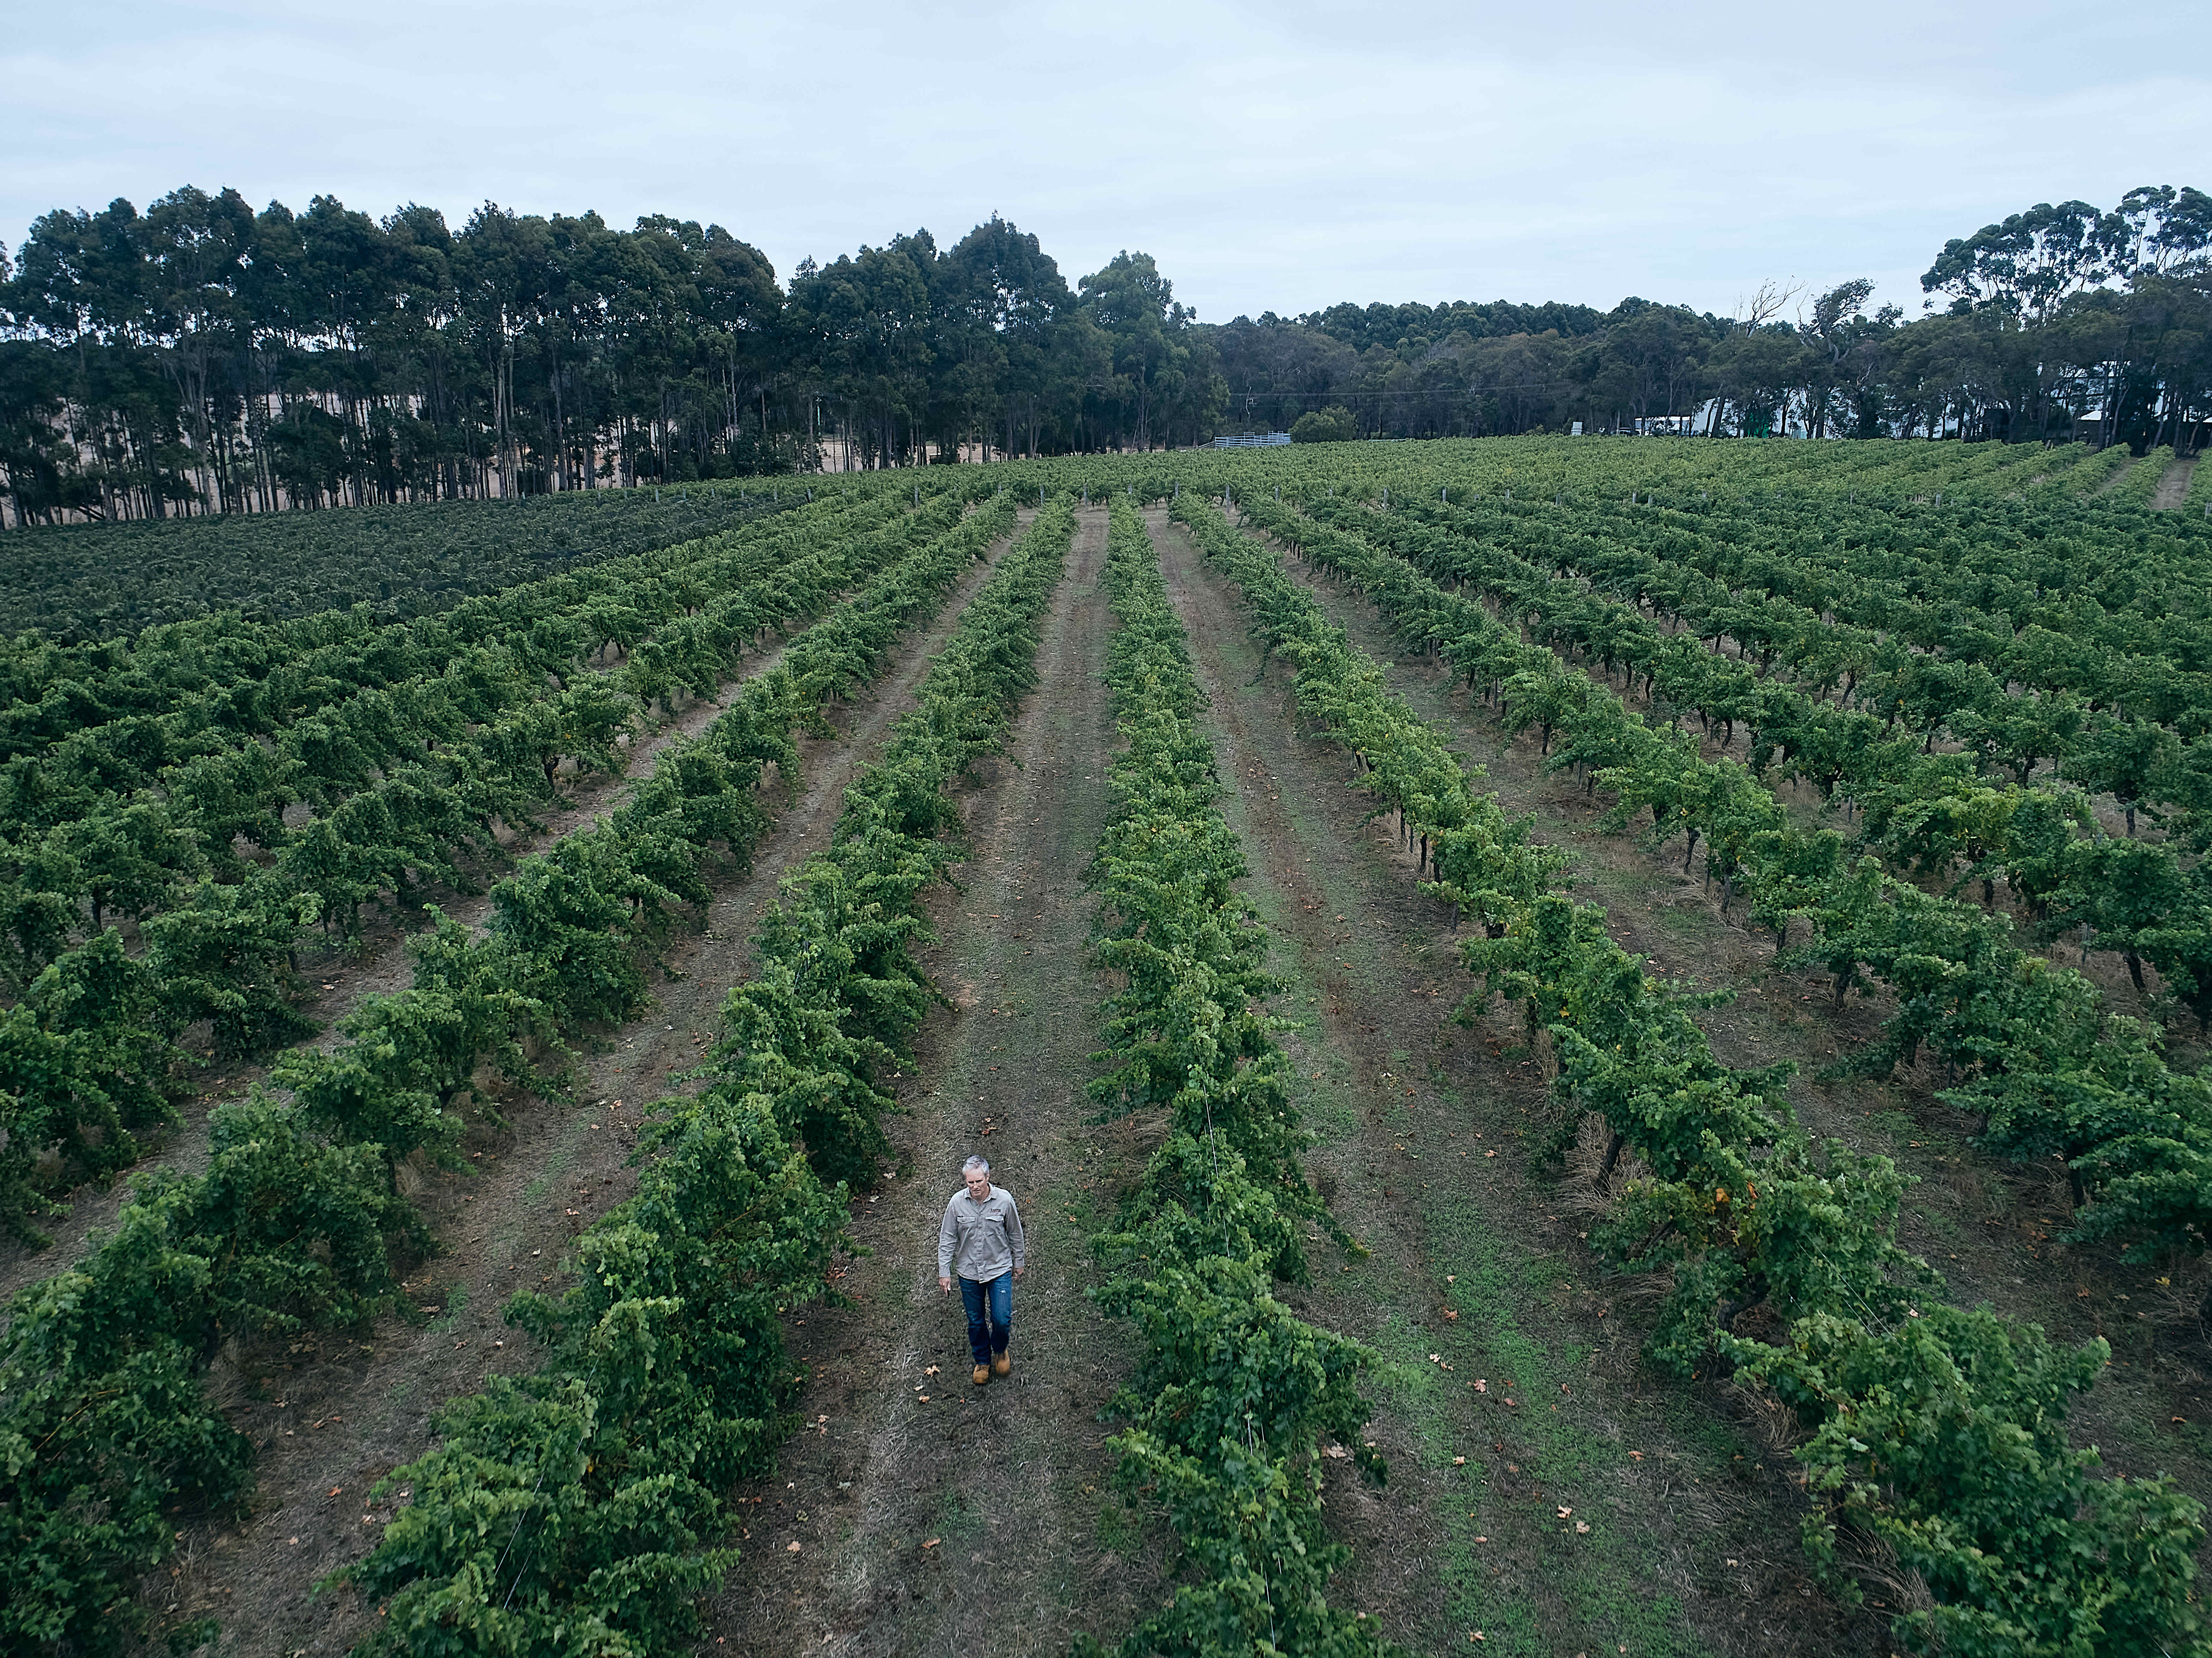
1374,396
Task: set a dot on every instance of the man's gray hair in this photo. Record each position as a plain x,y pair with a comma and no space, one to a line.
975,1165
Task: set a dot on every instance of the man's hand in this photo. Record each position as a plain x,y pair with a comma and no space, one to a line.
1018,1272
943,1284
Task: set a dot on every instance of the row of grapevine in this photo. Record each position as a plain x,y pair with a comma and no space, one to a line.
82,1072
105,837
1918,483
1234,1395
2094,711
174,688
142,826
2143,478
2093,474
296,1220
2198,502
318,722
1923,630
2031,1048
1926,814
93,582
577,1510
2115,595
1935,1433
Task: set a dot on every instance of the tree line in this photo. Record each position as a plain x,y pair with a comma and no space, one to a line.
2050,320
204,357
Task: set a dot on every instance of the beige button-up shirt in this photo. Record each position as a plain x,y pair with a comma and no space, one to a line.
983,1240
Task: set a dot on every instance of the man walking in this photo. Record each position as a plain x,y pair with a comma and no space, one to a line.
982,1236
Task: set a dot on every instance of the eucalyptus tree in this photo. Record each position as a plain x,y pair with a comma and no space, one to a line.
1157,372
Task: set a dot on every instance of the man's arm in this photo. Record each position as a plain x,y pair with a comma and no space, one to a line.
948,1233
1014,1233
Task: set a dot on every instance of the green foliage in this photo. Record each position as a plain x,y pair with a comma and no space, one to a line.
2021,1035
1956,1413
393,562
81,1060
1942,1438
1331,425
104,1429
577,1510
295,1222
419,738
1779,616
1233,1394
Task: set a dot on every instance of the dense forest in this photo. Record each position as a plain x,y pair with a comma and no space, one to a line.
204,357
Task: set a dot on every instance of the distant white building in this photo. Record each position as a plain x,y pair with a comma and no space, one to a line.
1252,441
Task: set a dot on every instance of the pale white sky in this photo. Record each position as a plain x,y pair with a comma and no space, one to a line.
1276,156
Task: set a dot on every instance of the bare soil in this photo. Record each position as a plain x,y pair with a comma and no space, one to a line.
915,1512
333,1413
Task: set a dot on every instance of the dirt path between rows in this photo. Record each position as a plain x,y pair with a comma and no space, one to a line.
916,1513
358,1405
2174,488
1511,1402
382,966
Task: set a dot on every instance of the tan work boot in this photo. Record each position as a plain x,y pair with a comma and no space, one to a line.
982,1376
1002,1366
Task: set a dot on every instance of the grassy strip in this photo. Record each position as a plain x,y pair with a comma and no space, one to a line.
571,1510
103,1426
1933,1433
1234,1395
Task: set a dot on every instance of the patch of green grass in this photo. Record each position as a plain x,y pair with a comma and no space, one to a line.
563,1160
2196,1439
1601,1578
1119,1532
956,1515
1943,1225
1895,1124
457,1302
1541,1273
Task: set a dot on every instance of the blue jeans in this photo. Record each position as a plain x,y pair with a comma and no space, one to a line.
997,1296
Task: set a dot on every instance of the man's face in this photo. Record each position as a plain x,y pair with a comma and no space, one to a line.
979,1183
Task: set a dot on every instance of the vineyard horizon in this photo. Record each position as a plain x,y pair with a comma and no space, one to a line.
1603,1043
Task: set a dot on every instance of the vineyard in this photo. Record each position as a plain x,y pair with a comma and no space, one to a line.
1602,1045
83,585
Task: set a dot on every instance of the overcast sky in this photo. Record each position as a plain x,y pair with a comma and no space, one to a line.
1281,156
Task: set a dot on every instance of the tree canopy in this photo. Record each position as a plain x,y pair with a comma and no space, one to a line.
205,356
